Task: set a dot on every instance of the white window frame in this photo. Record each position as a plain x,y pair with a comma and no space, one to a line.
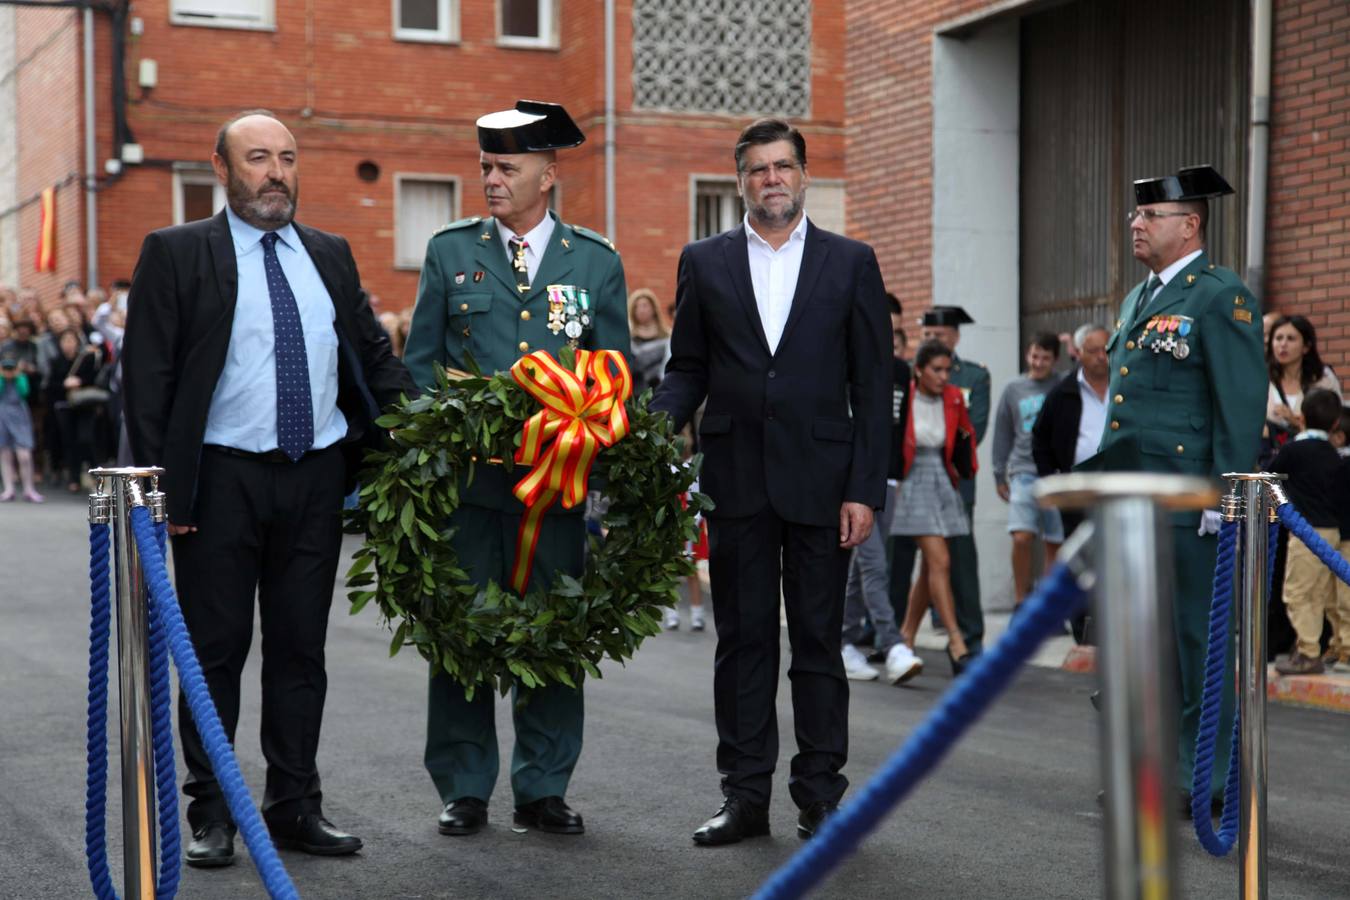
447,13
695,181
457,202
195,174
181,12
549,14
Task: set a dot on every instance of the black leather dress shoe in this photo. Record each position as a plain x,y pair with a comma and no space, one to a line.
737,819
212,846
467,815
814,816
549,814
313,834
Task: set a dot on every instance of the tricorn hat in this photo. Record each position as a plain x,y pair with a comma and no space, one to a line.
950,316
529,128
1190,183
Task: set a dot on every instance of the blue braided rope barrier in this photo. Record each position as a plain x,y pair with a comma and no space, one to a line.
1057,598
1299,527
166,780
1216,662
96,783
193,685
96,746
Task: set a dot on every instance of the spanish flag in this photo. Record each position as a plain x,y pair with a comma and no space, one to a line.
45,260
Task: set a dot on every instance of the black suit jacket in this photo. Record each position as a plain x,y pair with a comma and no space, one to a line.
802,429
1054,436
180,312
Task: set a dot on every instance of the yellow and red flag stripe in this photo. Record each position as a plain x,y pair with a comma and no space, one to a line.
582,411
45,260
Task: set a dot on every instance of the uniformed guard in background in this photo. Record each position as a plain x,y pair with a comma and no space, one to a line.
1187,395
496,289
943,323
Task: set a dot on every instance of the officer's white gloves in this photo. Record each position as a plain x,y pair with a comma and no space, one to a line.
1210,520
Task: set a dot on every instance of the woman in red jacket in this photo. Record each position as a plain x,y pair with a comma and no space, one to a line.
938,450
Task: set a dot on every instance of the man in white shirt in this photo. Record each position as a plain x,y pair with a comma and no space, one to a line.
782,328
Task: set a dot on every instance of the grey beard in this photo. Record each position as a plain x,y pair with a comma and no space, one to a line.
263,215
776,220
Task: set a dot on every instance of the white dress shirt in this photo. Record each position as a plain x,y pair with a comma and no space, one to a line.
930,421
536,242
774,276
1091,423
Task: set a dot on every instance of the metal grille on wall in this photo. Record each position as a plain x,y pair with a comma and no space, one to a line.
1108,96
737,57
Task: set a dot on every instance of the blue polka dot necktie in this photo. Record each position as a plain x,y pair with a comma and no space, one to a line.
295,411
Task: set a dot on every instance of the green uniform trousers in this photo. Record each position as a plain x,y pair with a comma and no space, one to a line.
1192,595
461,750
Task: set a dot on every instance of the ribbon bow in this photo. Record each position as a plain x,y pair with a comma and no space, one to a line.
582,411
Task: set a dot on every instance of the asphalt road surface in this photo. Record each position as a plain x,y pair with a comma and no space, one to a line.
1010,814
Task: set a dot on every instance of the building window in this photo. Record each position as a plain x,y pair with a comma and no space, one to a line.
736,57
196,194
435,21
422,204
223,13
527,23
717,207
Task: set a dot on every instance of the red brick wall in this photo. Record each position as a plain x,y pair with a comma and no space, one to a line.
1308,237
889,149
350,93
50,141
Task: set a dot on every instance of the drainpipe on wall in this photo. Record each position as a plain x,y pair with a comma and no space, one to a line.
1258,149
90,156
609,122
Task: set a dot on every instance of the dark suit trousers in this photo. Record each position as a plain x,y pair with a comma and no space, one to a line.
274,529
748,559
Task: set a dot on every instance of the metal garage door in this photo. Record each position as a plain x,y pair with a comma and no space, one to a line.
1113,91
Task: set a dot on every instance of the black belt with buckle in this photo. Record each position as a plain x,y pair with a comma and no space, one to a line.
267,456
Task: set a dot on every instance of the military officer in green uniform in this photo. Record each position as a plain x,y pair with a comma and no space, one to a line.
495,289
1187,395
943,323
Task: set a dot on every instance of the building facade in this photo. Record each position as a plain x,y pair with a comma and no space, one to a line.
992,145
382,98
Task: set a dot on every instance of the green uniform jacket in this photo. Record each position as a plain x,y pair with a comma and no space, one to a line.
973,380
1188,379
468,304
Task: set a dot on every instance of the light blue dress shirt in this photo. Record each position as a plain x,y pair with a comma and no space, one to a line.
243,411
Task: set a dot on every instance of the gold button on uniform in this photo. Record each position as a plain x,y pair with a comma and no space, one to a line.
1129,345
1119,398
1124,370
525,314
1115,424
463,307
1180,448
524,346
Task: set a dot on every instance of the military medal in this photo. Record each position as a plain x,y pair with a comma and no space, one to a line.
477,277
459,278
1182,348
555,308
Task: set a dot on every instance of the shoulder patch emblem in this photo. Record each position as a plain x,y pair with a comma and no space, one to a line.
1239,300
1190,279
1242,315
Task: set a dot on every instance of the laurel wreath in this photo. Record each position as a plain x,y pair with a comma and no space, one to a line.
494,636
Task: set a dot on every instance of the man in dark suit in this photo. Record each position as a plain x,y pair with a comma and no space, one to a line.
253,370
782,328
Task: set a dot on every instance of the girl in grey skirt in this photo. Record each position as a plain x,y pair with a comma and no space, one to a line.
929,508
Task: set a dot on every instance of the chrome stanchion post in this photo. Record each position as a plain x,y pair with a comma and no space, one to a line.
133,656
1257,489
1132,602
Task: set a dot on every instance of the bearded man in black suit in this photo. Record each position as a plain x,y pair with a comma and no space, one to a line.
782,327
253,371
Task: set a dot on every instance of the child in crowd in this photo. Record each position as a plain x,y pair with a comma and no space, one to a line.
1338,613
16,432
1314,487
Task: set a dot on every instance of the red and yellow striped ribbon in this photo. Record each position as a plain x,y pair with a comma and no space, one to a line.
582,411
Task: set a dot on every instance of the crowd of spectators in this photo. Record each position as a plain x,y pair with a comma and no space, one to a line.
59,355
